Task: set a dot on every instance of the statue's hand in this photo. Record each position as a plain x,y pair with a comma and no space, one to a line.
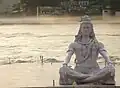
111,69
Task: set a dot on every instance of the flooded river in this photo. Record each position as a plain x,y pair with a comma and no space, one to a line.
49,40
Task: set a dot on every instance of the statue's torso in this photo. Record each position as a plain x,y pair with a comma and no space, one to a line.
86,56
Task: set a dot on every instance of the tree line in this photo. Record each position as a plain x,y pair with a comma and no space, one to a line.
30,5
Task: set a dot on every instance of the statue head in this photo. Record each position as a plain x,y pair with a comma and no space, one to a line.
86,28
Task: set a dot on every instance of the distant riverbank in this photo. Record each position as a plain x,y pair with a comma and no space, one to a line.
54,20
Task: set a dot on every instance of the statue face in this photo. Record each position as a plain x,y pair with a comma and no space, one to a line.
86,29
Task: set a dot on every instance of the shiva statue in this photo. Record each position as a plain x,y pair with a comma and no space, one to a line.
86,49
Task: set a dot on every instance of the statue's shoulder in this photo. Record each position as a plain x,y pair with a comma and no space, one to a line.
73,44
100,45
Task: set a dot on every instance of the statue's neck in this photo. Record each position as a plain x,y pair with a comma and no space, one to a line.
85,39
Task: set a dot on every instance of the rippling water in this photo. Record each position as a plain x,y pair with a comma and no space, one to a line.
31,41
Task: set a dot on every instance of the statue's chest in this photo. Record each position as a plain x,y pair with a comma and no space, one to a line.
86,49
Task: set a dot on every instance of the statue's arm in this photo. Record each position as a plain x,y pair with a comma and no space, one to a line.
104,53
70,52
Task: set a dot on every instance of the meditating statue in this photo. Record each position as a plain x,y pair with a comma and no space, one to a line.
86,49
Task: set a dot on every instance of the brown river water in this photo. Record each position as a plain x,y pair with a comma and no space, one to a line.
28,42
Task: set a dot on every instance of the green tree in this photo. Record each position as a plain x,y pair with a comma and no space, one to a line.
115,5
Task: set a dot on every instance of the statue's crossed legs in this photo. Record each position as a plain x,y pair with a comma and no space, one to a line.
69,75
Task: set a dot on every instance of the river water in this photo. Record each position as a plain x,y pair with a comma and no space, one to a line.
49,40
